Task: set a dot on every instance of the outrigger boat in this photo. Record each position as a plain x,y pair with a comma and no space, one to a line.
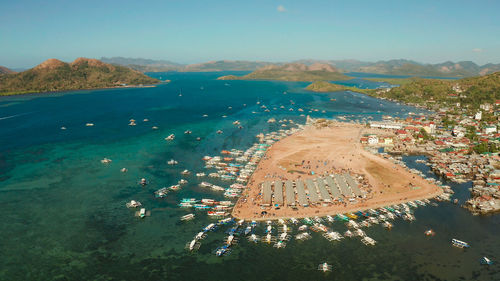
189,200
268,239
348,233
430,232
182,181
193,245
201,207
133,204
209,227
248,230
303,236
253,238
280,244
368,241
222,251
161,193
294,220
170,137
187,217
342,217
330,218
185,205
352,216
324,267
200,175
387,225
208,201
200,235
486,261
175,187
332,236
459,244
185,172
172,162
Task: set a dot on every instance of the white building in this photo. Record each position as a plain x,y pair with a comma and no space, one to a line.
490,129
386,125
478,115
372,140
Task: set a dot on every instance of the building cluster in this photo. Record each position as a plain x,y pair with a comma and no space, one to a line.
460,146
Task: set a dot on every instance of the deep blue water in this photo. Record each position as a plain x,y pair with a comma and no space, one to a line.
64,215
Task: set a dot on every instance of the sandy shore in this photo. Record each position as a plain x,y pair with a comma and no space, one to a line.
331,150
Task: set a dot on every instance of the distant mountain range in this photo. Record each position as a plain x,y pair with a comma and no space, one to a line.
82,73
146,65
390,67
292,72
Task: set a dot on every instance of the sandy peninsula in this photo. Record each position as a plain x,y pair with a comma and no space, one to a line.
317,151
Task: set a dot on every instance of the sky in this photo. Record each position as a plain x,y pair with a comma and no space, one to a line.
183,31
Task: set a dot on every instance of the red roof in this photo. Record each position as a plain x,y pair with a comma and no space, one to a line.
438,142
401,132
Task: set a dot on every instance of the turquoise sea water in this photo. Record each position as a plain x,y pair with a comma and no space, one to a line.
64,214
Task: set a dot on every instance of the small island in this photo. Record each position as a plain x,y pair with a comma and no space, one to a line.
292,72
54,75
327,87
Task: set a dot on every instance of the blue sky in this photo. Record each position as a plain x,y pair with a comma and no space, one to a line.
196,31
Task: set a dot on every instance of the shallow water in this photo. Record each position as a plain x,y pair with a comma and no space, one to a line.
64,215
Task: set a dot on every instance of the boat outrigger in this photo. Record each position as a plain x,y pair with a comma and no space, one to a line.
459,244
324,267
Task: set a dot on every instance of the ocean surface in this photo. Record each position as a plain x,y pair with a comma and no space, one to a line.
64,215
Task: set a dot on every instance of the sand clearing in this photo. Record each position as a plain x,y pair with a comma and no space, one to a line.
333,149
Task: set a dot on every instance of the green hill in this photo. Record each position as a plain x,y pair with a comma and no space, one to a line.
468,91
83,73
292,72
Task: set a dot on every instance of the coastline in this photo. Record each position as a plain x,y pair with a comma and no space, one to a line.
25,93
338,147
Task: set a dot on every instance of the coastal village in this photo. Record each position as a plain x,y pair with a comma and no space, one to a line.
460,147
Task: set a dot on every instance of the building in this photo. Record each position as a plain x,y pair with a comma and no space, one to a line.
490,129
386,125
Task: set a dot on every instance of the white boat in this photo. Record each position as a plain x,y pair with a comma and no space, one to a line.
133,204
280,244
106,161
185,172
294,220
368,241
330,218
253,238
187,132
348,233
142,213
170,137
268,239
359,232
459,244
303,236
209,227
248,230
230,240
172,162
324,267
332,236
205,184
200,235
187,217
89,124
193,245
303,227
387,225
200,175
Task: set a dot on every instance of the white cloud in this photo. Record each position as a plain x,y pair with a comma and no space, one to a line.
477,50
281,9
